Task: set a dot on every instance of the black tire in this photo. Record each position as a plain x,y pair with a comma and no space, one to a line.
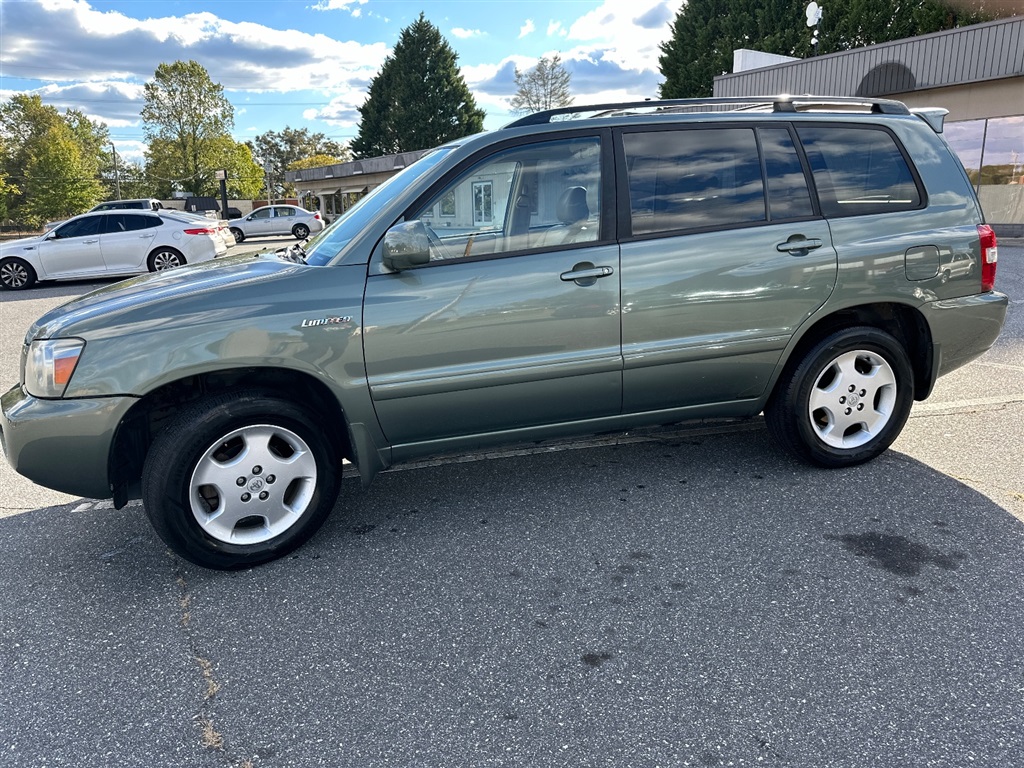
165,258
16,274
301,231
816,416
239,234
196,498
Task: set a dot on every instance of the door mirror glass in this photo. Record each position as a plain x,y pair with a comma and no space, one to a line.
406,245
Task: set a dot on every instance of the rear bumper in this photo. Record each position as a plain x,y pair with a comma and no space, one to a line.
61,444
964,328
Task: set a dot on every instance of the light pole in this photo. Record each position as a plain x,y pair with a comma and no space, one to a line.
117,174
814,14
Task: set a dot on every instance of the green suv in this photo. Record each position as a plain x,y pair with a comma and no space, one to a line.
821,260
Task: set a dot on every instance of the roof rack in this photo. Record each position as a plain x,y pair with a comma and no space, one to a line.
781,103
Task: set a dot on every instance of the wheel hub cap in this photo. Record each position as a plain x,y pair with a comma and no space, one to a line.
852,399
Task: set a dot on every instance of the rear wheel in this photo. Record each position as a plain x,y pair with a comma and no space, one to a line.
301,231
16,274
239,479
845,401
165,258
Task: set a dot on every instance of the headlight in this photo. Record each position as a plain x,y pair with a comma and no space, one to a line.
50,364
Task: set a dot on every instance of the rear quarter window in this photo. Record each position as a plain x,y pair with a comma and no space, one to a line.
859,170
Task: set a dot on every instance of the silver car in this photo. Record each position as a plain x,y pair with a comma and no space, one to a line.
277,220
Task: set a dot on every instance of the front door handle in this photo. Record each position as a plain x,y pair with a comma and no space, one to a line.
585,273
799,243
90,242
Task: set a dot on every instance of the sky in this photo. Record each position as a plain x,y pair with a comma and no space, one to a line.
308,63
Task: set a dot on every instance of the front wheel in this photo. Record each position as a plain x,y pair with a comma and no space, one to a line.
301,231
16,274
238,234
239,479
845,401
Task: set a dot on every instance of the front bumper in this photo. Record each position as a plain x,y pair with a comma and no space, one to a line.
62,444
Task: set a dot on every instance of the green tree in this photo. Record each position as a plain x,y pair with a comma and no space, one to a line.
59,177
705,32
184,115
26,128
280,149
419,99
544,86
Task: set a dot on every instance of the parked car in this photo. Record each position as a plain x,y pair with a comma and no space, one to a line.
220,226
141,204
277,220
110,244
783,257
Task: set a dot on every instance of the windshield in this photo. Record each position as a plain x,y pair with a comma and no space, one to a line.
328,243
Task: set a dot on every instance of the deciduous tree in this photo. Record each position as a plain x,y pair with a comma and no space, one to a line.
281,148
184,115
543,86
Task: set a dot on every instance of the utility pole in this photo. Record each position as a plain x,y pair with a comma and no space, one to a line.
117,174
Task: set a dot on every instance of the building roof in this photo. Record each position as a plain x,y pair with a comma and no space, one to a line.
990,51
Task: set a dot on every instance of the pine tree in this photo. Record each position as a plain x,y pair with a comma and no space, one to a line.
419,98
545,86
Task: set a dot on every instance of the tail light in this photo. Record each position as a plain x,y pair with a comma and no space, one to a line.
202,231
317,215
989,257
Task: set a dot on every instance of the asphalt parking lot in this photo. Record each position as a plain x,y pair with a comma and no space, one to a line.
675,597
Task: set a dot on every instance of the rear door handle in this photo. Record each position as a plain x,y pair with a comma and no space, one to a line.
797,243
585,273
90,241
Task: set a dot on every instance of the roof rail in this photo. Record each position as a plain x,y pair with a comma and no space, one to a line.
781,103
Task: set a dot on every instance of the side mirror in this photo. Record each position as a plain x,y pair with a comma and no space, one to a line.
406,245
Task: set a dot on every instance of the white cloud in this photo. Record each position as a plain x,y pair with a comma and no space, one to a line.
527,28
629,31
339,5
556,28
466,33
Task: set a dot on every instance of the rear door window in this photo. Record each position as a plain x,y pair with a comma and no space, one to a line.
859,170
693,179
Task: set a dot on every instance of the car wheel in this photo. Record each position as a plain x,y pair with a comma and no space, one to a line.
239,234
16,274
845,401
239,479
165,258
301,231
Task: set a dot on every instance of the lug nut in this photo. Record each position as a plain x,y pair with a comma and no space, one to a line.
246,497
847,411
257,469
240,482
264,496
860,407
271,479
852,388
841,400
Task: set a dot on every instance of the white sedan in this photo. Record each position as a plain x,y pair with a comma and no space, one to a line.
109,244
277,220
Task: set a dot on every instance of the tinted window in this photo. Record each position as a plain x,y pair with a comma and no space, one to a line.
284,211
542,195
128,222
788,196
690,179
89,225
858,170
